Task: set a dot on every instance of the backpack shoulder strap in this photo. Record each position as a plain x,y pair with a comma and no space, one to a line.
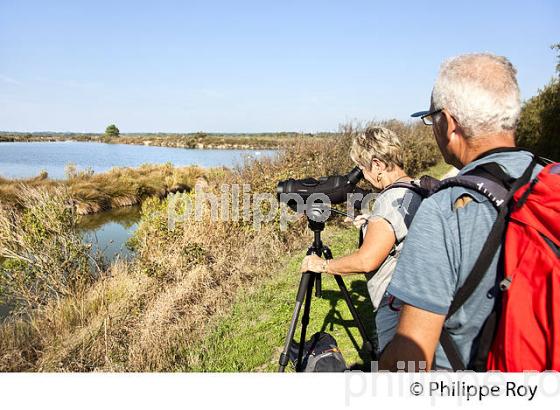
488,179
417,188
493,241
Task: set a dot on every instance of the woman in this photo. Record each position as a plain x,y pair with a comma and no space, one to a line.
379,154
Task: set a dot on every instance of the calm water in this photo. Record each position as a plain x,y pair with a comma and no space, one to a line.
28,159
109,231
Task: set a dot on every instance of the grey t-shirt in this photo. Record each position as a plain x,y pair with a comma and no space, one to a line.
439,253
397,206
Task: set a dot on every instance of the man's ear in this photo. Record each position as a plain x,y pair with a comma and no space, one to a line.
452,126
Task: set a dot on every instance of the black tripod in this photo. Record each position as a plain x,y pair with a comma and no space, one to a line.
304,294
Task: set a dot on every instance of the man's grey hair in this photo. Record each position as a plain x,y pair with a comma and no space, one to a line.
480,91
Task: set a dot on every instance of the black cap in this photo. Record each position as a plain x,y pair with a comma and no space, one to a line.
419,114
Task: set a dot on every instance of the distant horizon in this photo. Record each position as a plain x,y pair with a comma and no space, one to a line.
167,132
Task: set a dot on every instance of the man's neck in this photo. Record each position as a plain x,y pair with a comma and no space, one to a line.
476,146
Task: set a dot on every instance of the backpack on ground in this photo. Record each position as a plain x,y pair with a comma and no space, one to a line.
320,354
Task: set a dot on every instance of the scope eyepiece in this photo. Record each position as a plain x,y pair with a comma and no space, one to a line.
355,175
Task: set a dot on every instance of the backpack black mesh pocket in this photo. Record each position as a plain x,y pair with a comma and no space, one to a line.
320,354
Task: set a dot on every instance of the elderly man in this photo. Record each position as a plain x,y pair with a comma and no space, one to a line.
474,110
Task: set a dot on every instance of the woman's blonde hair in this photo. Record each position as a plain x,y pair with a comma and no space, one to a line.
377,142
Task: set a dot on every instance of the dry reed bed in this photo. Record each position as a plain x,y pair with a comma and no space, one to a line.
91,193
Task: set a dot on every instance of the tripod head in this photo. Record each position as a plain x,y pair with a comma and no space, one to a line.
316,227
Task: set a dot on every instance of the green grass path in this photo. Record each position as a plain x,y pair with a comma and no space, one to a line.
251,336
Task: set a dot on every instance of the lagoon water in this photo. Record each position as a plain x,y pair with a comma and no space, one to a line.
108,231
28,159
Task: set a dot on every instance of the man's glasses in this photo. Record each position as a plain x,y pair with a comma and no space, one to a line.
428,119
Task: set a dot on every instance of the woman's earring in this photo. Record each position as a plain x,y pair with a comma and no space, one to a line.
379,177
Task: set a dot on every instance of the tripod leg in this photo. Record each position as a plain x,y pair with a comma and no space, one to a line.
305,320
305,281
344,290
361,328
318,286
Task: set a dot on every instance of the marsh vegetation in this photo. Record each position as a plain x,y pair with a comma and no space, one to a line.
157,311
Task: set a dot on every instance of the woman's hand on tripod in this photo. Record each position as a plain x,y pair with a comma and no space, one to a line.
313,263
358,221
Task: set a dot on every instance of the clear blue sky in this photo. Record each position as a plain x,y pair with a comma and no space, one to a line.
249,66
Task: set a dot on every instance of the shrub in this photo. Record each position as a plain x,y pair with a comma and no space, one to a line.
44,257
112,131
539,123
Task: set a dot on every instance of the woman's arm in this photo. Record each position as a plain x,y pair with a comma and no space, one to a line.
378,242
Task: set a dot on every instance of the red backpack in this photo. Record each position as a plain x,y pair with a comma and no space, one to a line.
528,335
523,331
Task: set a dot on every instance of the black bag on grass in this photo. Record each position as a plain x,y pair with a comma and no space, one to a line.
320,354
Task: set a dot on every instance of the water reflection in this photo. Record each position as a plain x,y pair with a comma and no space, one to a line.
109,231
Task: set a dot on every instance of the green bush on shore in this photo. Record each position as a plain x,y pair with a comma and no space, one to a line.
539,124
44,257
